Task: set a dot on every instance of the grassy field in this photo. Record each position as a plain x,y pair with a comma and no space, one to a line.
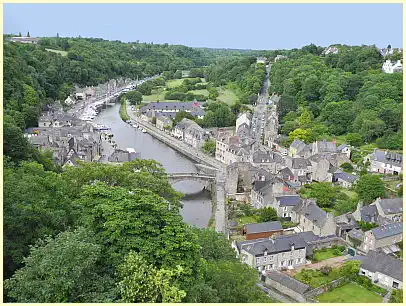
63,53
349,293
227,96
200,92
352,194
321,255
174,83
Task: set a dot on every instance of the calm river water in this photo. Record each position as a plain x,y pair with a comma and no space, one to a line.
196,203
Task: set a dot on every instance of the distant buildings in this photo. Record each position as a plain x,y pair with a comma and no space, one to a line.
330,50
280,57
261,60
170,109
24,40
262,230
385,162
391,67
383,237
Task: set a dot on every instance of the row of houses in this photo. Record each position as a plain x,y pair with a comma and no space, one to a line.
390,67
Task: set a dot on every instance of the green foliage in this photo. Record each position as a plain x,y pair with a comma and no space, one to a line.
369,187
134,97
324,193
347,167
354,139
366,283
209,147
123,110
302,134
180,115
366,226
396,296
60,270
218,114
267,214
142,283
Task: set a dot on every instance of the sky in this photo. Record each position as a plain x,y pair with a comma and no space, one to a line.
236,26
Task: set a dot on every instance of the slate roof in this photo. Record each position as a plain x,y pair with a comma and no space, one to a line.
253,228
388,157
387,230
326,146
311,211
298,144
342,147
356,234
369,213
391,206
345,177
300,163
195,108
266,157
120,156
288,200
286,172
288,281
272,245
385,264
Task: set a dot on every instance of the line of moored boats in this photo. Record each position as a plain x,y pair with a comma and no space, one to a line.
135,125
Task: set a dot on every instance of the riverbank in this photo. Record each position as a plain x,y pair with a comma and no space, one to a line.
123,110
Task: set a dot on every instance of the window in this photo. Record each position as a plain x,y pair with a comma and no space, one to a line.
395,285
290,262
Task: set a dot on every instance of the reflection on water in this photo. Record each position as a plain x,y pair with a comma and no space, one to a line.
197,203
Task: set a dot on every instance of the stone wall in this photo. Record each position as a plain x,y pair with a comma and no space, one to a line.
285,290
334,284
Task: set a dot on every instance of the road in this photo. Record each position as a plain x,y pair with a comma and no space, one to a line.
259,117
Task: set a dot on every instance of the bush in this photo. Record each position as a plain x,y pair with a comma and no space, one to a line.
366,283
325,270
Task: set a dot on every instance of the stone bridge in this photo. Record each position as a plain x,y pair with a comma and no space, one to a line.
196,177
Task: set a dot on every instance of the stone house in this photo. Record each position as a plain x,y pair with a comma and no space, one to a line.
323,147
194,135
301,169
390,209
382,237
368,213
344,179
284,205
345,149
234,149
286,174
385,162
121,156
287,285
383,270
312,218
322,169
262,230
69,101
391,67
162,122
180,128
271,161
263,193
299,149
171,108
243,130
268,254
244,118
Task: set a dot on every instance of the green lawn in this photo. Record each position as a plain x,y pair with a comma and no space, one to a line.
227,96
321,255
63,53
315,278
352,194
174,83
200,92
349,293
156,94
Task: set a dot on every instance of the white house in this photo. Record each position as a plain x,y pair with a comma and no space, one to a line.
243,118
389,67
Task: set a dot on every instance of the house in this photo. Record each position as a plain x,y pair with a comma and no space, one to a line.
279,57
263,193
390,209
299,149
194,135
389,67
261,60
286,174
79,96
271,161
323,147
243,130
232,149
385,162
312,218
383,237
45,121
147,116
262,230
383,270
163,122
122,156
344,179
180,128
24,39
171,108
288,285
243,118
344,224
330,50
369,213
69,101
322,169
284,205
301,169
355,237
268,254
344,148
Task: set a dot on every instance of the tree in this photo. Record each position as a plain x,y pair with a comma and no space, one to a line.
209,147
218,115
177,74
366,226
354,139
347,167
324,193
396,296
369,187
28,34
143,283
267,214
180,115
306,119
62,269
302,134
214,246
134,97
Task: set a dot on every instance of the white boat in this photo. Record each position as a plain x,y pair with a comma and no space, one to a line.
144,131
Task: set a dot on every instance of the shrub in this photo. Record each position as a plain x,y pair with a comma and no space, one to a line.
325,270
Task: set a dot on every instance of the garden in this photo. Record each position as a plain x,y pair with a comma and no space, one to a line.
349,293
325,253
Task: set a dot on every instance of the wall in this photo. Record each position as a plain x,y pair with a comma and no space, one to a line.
317,291
285,290
262,235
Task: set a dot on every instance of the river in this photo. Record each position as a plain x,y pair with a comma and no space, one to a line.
197,202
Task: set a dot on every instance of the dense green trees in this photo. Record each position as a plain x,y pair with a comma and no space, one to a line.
218,114
105,233
346,92
134,97
369,187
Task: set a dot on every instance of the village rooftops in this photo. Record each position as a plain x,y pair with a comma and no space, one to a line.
195,108
253,228
258,247
288,281
385,264
388,157
300,163
311,211
387,230
288,200
345,177
298,144
391,206
369,213
325,146
120,156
